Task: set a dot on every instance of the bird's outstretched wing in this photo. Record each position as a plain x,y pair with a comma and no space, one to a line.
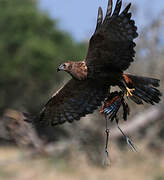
73,101
112,43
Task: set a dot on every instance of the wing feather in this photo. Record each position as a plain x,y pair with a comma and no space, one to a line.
112,46
73,101
117,8
99,18
109,10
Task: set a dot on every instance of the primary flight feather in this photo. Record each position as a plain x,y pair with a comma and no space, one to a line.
110,52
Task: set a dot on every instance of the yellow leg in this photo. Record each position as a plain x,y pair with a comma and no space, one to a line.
129,92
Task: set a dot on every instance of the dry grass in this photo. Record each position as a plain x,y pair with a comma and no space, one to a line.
125,166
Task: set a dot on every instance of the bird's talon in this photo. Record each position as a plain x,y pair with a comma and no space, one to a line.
129,91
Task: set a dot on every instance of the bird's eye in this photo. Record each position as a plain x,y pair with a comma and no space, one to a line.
64,65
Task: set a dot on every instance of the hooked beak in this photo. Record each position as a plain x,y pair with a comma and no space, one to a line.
60,68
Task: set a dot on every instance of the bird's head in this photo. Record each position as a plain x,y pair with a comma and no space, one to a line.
77,70
67,66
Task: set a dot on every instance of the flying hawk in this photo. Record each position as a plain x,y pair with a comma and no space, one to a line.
110,53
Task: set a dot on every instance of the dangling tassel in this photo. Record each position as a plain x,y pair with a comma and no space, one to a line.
110,109
128,140
106,161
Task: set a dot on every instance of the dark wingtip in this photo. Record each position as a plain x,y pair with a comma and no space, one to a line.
99,17
125,11
109,10
128,7
117,8
99,9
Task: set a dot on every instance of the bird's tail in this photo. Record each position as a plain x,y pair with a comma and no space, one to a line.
141,89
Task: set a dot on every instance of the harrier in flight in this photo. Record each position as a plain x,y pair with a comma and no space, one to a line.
110,53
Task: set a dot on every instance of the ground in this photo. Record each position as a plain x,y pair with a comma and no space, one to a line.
126,165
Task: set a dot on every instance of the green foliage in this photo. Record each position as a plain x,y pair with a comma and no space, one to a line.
31,48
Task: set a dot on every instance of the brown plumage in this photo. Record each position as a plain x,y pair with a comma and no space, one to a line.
110,52
78,70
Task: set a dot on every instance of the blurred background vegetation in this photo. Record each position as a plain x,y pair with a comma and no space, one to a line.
31,48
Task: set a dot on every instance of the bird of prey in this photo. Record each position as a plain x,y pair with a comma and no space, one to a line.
110,53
